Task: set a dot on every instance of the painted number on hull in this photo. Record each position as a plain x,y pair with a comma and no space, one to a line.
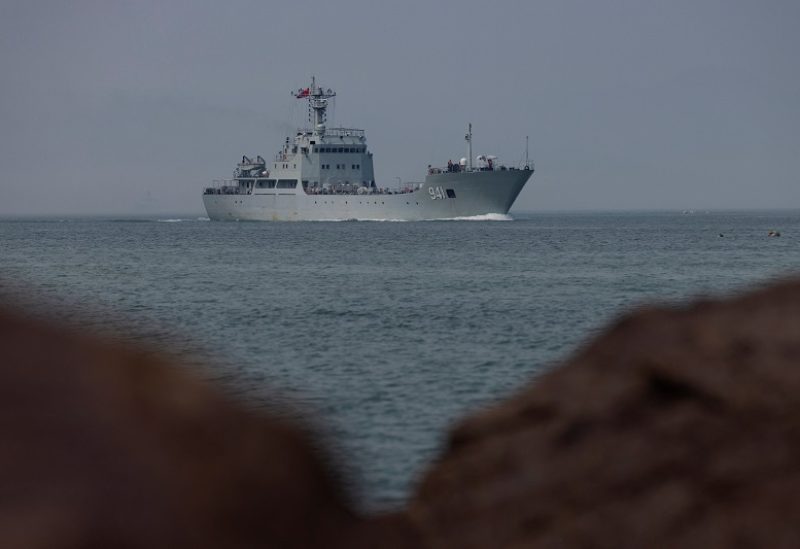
437,193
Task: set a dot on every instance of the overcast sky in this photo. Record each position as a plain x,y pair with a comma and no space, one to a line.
132,107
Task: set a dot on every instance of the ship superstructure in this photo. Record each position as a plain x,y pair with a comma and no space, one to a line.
327,174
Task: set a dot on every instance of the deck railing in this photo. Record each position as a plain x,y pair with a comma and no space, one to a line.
336,132
225,186
457,168
354,189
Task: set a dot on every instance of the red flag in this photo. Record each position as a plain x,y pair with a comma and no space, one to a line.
303,93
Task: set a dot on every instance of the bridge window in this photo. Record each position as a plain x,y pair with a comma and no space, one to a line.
265,184
287,183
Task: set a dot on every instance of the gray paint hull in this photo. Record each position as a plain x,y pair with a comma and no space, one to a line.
476,193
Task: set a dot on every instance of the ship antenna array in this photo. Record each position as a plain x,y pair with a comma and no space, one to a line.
317,104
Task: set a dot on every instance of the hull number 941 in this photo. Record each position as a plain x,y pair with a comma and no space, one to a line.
438,193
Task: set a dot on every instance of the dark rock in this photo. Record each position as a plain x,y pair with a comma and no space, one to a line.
677,428
109,447
680,427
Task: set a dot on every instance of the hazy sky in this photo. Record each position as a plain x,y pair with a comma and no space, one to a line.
132,107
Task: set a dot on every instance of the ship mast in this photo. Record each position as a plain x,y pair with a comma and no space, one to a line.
468,138
317,105
527,164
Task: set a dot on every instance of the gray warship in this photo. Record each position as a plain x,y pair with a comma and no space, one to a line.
326,174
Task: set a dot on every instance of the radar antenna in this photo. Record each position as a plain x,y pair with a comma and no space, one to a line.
317,104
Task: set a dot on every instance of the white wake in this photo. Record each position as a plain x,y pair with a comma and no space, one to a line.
482,217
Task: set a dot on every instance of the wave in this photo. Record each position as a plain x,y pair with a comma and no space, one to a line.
169,220
482,217
360,220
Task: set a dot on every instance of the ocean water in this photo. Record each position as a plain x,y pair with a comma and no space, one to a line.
383,333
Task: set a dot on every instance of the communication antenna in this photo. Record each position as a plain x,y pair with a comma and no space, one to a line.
527,164
468,138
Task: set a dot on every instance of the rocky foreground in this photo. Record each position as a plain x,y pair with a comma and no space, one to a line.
679,427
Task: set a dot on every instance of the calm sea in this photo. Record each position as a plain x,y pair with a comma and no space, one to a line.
383,332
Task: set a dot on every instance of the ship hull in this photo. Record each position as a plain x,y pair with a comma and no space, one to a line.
442,196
